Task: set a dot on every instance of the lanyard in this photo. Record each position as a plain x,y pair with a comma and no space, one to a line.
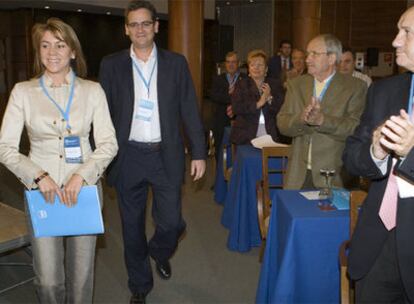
410,100
146,83
231,83
65,113
325,87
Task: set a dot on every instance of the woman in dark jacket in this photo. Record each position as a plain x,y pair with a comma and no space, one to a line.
256,101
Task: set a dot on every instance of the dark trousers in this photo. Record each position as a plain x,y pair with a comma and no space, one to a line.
383,282
143,167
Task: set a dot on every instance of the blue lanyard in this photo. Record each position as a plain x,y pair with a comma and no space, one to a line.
326,86
410,100
146,83
231,83
65,113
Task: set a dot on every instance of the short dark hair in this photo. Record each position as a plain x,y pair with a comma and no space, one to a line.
348,49
137,4
284,41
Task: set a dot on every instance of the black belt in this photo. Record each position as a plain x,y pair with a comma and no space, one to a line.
145,146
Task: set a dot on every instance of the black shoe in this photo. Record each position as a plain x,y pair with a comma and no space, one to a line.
138,298
163,269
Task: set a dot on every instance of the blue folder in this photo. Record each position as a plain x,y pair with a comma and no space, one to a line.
59,220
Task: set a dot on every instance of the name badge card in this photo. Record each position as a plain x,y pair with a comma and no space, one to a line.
145,110
73,152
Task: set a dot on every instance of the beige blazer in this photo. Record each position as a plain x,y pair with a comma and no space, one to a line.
29,107
342,106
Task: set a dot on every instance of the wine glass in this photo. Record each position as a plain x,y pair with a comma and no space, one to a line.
325,194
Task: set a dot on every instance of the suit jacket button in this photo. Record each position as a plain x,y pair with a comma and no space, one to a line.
60,156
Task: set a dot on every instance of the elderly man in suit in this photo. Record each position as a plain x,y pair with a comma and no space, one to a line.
381,255
221,92
320,110
150,94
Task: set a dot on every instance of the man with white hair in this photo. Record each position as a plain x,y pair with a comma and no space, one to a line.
320,110
381,257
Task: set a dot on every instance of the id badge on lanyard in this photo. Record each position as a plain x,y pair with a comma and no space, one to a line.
73,151
145,110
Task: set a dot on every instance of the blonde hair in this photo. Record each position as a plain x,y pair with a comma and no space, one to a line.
256,53
63,32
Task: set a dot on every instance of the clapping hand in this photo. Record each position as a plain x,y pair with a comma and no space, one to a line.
312,114
397,134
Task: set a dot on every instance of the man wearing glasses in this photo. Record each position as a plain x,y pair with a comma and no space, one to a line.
320,110
150,94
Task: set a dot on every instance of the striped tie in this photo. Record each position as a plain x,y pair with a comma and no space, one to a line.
388,209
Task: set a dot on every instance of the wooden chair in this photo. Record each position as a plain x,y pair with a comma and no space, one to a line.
263,188
13,235
228,168
357,197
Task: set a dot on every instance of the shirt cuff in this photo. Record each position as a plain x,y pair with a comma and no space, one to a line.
380,163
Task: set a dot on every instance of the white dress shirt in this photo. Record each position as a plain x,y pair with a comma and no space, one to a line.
145,130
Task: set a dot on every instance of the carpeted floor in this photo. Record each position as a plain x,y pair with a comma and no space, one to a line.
204,270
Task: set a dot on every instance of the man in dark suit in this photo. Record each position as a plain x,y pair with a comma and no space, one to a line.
150,93
381,258
221,91
282,62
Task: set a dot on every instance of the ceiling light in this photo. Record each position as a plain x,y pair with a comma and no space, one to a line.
79,10
228,2
108,13
47,7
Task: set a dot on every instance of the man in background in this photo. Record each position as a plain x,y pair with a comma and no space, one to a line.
320,110
221,91
347,66
280,63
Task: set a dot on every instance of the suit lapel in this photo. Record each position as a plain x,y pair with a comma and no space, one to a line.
126,81
399,99
335,88
126,76
162,79
307,90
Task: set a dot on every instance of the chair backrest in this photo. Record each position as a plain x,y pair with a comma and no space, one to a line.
267,154
227,168
357,197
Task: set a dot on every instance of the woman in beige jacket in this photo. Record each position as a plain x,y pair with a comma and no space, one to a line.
57,106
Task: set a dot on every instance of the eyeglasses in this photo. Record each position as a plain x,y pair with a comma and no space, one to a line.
316,54
145,25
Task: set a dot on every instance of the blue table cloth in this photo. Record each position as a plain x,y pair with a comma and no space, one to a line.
240,207
301,257
220,185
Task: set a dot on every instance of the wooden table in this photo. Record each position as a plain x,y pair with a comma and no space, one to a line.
13,228
13,235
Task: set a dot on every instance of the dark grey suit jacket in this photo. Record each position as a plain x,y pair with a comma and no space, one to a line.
275,67
177,104
385,98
